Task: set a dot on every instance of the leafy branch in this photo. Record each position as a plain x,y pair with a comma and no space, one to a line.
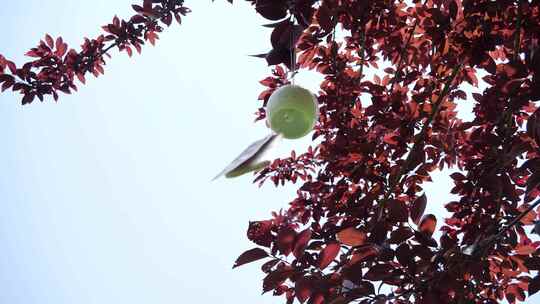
55,67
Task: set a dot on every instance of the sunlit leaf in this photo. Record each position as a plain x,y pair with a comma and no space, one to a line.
328,254
352,236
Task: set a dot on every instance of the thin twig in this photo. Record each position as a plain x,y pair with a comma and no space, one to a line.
516,220
506,116
362,53
436,108
419,138
402,56
517,33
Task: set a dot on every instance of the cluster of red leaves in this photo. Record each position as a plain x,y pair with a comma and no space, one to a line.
55,67
357,231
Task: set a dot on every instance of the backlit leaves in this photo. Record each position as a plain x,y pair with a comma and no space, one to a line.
379,272
400,235
301,242
303,289
382,137
352,236
277,277
427,224
285,240
418,207
260,232
54,67
398,211
328,254
365,253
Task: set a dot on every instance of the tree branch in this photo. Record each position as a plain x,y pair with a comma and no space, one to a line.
54,68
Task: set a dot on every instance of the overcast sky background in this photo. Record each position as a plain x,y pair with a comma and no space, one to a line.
106,195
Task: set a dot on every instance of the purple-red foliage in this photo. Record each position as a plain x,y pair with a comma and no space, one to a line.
360,206
54,66
357,232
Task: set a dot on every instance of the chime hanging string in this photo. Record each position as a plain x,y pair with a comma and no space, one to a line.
293,53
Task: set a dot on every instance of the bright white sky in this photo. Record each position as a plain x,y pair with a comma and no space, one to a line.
106,195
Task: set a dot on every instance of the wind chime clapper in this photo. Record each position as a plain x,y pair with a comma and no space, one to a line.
291,112
253,158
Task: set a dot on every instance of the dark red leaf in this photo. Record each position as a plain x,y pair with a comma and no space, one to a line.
354,272
418,207
401,234
301,242
178,18
404,254
18,86
7,78
425,239
49,40
285,240
428,224
398,211
267,267
81,78
277,56
250,256
137,8
61,47
32,53
167,19
379,272
28,98
328,254
138,19
303,289
12,67
260,232
151,36
275,24
457,176
379,233
281,35
285,35
272,9
275,278
324,18
259,55
352,236
7,84
366,252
